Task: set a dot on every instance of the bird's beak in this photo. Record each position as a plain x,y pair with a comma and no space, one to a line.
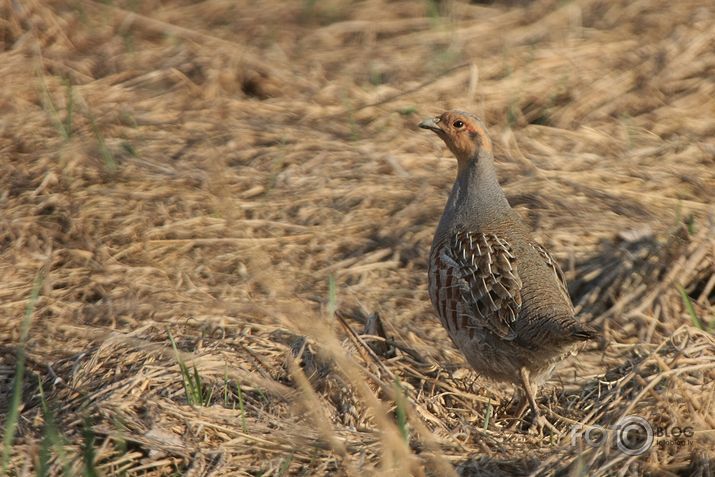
431,124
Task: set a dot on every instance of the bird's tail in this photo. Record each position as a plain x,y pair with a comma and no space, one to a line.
582,331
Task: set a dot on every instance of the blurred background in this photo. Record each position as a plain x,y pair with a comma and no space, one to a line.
205,206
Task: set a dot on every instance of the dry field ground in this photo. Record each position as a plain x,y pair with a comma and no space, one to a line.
202,202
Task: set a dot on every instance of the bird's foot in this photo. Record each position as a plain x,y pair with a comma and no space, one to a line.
540,424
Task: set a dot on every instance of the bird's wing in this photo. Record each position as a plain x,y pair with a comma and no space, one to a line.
480,273
554,266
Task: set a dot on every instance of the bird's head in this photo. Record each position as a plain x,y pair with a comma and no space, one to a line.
463,133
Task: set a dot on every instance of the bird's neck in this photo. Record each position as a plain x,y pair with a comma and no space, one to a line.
476,196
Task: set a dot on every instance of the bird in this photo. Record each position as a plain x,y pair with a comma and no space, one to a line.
501,296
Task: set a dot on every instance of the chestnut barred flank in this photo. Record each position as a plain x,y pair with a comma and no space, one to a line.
474,283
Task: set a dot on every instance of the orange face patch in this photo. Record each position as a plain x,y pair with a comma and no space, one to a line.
478,133
464,134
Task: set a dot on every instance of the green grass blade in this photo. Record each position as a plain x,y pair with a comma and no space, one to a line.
401,411
194,390
49,106
43,460
332,296
70,110
110,163
52,435
197,387
13,412
285,466
225,386
487,416
208,396
241,407
185,376
88,451
688,303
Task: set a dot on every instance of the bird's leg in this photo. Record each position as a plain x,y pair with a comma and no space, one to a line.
539,421
521,403
530,394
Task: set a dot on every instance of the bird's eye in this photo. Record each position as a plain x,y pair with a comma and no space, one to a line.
458,124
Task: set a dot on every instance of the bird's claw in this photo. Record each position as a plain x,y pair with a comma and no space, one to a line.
540,424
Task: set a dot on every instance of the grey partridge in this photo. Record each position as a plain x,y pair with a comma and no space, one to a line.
500,295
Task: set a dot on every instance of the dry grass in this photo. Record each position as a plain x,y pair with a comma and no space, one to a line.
209,169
